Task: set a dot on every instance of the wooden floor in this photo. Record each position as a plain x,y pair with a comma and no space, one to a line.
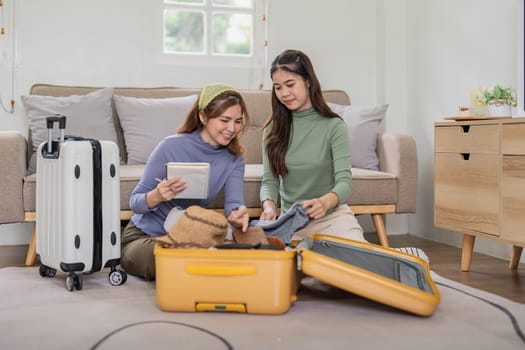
487,273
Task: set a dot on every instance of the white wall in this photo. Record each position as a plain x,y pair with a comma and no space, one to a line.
422,57
453,46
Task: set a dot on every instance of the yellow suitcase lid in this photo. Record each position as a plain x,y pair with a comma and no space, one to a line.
375,272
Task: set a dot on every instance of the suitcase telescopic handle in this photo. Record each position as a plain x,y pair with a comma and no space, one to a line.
56,118
50,121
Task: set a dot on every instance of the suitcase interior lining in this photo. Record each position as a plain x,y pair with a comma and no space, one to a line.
395,268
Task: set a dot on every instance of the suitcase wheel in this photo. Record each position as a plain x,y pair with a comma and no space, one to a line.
73,281
46,271
117,277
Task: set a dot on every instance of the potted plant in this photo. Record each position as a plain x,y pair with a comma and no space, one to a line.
498,98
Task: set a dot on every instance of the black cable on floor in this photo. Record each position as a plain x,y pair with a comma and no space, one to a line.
509,314
107,336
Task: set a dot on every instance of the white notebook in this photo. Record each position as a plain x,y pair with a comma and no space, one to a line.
196,175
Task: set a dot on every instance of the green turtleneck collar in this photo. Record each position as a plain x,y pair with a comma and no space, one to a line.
305,112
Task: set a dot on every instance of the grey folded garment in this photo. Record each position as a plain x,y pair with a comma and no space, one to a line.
286,225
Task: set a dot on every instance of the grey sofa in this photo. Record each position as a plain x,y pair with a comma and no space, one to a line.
391,189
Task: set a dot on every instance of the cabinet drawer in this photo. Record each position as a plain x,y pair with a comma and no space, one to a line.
513,139
467,192
513,198
467,138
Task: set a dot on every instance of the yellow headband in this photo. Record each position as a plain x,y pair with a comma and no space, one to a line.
210,91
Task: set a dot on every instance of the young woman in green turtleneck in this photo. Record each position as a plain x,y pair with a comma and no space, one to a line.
306,153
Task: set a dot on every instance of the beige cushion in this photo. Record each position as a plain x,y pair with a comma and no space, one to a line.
129,178
371,187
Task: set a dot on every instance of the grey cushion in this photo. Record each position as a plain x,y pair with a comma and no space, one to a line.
88,116
146,121
363,127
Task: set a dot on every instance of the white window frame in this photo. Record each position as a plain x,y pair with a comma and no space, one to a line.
255,60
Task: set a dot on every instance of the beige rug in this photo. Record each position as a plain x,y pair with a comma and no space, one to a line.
38,313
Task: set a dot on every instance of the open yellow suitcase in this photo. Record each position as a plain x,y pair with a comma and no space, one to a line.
264,281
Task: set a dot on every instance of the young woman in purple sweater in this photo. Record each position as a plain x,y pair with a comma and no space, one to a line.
210,133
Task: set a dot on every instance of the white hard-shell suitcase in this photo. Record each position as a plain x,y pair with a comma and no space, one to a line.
77,207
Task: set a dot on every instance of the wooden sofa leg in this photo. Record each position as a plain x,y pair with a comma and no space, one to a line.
379,224
31,250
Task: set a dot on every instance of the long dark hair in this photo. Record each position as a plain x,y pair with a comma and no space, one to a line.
215,109
278,139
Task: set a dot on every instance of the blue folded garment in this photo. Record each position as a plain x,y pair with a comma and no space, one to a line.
286,225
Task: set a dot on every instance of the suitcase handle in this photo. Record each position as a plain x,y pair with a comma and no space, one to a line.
222,270
50,121
56,118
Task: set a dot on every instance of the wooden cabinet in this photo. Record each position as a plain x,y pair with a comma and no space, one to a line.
479,182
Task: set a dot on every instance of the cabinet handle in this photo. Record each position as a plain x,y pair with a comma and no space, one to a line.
466,128
465,156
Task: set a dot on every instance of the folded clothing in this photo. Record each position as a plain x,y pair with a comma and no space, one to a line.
285,226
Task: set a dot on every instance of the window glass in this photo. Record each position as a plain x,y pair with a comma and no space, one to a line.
184,2
209,27
232,34
184,31
236,3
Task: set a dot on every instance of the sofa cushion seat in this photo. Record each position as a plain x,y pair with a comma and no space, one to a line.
373,187
29,192
370,187
129,177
